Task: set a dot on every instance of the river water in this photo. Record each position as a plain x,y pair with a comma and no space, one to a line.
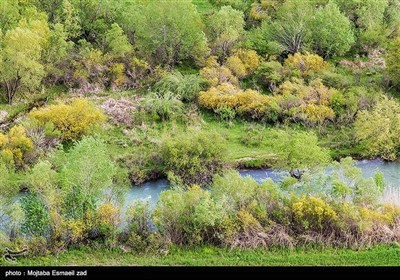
391,170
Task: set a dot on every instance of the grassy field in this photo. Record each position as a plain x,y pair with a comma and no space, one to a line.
211,256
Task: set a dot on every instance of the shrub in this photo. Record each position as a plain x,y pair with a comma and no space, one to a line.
313,213
296,151
232,191
90,72
37,222
187,217
187,87
270,74
119,110
73,120
214,74
247,103
349,184
243,62
306,64
15,146
377,129
194,156
307,103
108,219
164,105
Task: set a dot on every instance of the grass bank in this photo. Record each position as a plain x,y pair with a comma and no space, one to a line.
211,256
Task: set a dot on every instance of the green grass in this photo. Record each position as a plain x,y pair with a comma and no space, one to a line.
212,256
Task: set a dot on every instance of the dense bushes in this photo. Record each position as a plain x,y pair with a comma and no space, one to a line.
239,212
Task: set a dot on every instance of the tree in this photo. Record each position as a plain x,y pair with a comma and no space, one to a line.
393,61
168,32
368,18
94,18
9,14
291,27
225,29
297,151
55,53
378,130
20,64
70,19
332,32
118,43
88,166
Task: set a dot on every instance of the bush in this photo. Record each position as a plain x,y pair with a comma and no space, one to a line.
214,74
243,62
377,129
296,151
247,103
194,156
37,222
14,146
313,213
119,110
108,219
164,105
187,87
306,64
73,120
187,217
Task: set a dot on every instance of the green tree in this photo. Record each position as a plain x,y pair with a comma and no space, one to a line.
170,31
393,61
224,29
88,166
56,52
368,17
118,43
297,151
9,14
69,17
378,130
20,64
291,27
95,18
331,31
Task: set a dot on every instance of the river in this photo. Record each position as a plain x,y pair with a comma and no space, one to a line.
391,171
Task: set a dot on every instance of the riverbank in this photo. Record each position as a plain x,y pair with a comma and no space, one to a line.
211,256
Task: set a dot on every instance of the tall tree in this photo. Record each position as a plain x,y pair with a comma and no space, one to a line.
170,31
20,64
225,29
331,31
291,27
118,43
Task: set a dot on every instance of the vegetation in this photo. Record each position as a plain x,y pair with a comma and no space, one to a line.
95,95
